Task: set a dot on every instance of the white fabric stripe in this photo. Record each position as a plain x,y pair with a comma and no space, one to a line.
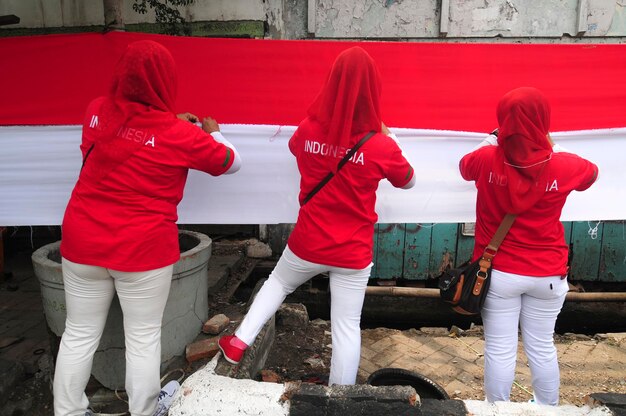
39,166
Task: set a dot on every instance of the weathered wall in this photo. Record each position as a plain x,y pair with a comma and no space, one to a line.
484,20
467,18
54,13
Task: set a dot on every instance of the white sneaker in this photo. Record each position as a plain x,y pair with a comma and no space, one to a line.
166,395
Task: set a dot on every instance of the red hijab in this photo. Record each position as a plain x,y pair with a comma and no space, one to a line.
524,150
141,96
349,103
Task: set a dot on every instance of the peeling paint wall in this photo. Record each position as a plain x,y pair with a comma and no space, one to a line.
467,18
527,20
375,18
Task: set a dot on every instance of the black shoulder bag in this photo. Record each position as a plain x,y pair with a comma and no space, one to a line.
339,166
465,287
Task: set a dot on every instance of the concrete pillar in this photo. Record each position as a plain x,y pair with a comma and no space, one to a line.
113,18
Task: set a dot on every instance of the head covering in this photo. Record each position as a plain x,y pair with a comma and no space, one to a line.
524,149
349,102
141,96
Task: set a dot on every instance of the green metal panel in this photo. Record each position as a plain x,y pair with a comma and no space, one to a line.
613,257
443,248
567,227
464,247
389,251
417,251
375,254
586,251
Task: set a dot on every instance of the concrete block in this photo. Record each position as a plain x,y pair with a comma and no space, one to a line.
310,394
254,358
216,324
383,394
433,407
206,348
349,407
205,393
219,269
258,250
292,315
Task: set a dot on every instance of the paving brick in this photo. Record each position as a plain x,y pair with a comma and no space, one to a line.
381,345
385,358
457,389
367,353
448,371
466,377
368,366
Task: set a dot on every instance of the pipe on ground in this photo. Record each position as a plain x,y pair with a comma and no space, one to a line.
420,292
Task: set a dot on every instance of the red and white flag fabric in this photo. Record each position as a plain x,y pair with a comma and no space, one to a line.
439,98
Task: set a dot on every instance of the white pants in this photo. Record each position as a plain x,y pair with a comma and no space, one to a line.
88,294
533,303
347,292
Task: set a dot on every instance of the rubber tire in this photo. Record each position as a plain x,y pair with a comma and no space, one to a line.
425,387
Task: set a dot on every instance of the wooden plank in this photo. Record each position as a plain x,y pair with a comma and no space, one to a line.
389,253
586,250
417,251
443,248
464,247
613,255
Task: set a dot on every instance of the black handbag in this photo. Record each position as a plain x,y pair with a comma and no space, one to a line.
465,287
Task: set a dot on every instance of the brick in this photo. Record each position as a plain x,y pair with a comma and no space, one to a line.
216,324
381,345
270,376
367,353
206,348
387,357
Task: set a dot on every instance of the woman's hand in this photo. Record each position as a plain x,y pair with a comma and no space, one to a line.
188,117
209,125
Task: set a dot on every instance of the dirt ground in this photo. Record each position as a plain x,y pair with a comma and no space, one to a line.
303,353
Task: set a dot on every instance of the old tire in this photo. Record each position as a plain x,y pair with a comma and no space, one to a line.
425,387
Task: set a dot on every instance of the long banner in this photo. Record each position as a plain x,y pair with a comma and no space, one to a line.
433,93
39,166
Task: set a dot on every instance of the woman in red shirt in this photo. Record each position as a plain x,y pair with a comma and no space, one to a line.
522,172
334,231
119,230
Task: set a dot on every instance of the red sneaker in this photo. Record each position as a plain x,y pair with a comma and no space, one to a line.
232,348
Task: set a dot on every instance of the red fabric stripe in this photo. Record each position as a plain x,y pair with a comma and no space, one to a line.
455,86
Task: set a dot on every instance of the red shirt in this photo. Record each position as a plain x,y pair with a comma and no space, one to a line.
127,220
535,245
336,227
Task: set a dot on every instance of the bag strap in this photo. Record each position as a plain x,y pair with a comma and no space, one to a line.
498,237
339,166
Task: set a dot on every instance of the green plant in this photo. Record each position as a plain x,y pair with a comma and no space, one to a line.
166,14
